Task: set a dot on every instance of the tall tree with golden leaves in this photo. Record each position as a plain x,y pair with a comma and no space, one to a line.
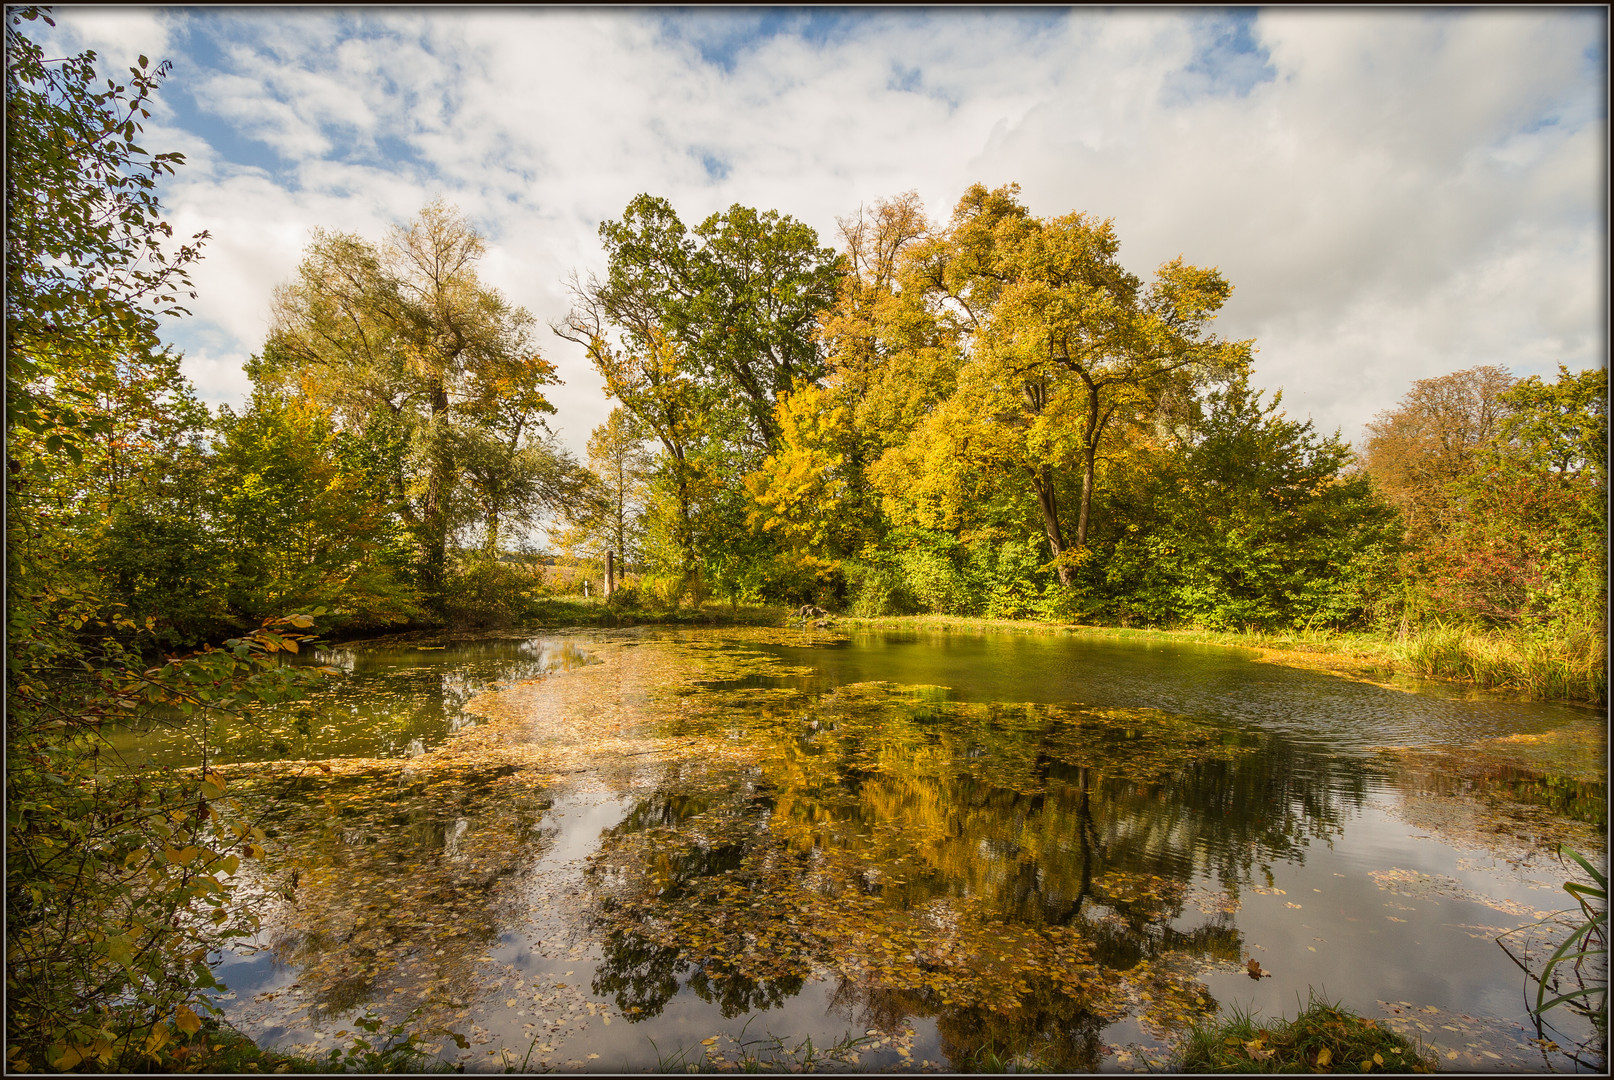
1062,343
404,340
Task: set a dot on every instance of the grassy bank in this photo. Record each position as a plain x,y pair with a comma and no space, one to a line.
568,613
1323,1038
1566,667
1569,667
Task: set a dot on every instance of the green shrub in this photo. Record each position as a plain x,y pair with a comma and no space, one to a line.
491,593
931,575
877,588
1002,576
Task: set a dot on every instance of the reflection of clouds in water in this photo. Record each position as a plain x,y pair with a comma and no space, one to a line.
394,700
341,659
451,837
555,654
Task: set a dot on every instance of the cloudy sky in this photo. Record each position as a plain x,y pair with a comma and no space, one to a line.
1394,194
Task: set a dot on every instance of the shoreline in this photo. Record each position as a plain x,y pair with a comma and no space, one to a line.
1367,658
1492,663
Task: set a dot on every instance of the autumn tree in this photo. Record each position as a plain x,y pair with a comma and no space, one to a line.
890,356
301,520
802,487
118,881
698,335
757,282
509,486
1521,534
644,370
1062,342
1432,438
404,338
610,518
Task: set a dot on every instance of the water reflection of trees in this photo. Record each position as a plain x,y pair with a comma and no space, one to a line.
394,885
379,705
1511,789
1011,870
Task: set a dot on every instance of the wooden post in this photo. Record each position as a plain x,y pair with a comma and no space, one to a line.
610,572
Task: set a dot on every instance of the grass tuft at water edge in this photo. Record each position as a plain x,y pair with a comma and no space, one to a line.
1325,1037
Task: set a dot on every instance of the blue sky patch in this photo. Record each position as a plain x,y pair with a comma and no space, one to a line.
716,168
1228,60
721,36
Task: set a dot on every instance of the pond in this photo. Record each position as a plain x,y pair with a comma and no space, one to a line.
866,851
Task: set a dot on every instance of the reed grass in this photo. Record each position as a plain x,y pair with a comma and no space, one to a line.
1552,665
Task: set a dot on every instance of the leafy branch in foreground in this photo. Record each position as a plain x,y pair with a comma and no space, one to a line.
119,880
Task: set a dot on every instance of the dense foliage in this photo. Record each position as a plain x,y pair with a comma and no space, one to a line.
118,881
1503,485
1002,421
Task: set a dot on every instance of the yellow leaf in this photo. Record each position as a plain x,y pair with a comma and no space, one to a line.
1324,1056
289,645
187,1021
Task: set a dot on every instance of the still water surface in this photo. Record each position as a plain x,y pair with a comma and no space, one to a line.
921,851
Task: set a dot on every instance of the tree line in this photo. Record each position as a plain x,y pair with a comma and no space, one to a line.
988,415
984,416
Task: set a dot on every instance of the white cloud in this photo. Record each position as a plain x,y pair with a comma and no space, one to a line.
119,35
1411,192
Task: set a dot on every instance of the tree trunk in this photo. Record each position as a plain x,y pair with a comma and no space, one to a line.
1043,482
434,513
490,546
686,528
1088,455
